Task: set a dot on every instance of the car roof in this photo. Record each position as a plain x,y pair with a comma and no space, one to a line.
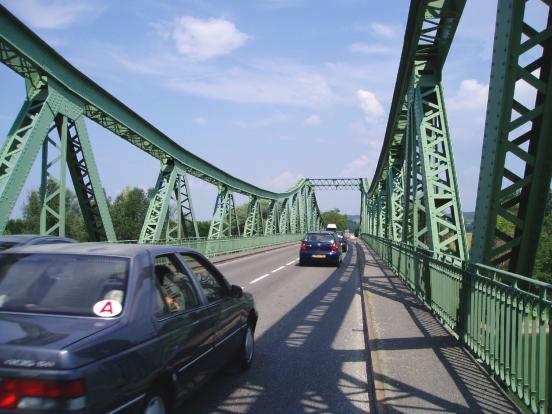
99,248
26,238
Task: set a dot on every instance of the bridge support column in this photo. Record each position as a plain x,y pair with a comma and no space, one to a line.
272,219
514,180
170,208
254,221
437,219
47,109
284,223
225,219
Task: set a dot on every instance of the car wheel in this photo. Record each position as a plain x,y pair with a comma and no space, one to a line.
156,403
301,262
247,349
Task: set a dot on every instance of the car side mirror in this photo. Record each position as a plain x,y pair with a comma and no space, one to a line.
236,291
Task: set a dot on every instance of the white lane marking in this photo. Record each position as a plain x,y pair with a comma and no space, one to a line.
290,263
259,278
280,268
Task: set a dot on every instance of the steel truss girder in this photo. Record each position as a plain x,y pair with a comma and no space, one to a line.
438,221
45,110
294,213
335,183
514,179
224,216
26,54
285,217
254,221
170,207
395,195
273,218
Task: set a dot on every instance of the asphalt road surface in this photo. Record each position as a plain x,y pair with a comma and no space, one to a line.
310,354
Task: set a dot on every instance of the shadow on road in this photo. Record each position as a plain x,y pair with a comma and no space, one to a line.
297,367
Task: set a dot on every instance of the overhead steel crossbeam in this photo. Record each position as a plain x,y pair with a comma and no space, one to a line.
414,193
28,55
335,183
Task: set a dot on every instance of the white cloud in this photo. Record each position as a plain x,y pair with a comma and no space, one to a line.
370,49
264,122
283,181
206,39
472,95
312,120
200,121
263,83
54,14
385,30
360,167
370,105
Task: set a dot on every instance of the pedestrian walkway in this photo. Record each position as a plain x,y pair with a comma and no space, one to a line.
418,366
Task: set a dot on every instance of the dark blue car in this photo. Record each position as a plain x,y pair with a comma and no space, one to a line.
320,247
108,328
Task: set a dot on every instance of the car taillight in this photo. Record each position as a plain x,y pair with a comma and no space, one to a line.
42,394
334,247
304,246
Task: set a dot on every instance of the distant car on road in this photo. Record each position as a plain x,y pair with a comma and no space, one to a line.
342,240
7,242
320,247
99,327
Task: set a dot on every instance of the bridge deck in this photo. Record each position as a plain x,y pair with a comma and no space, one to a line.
417,365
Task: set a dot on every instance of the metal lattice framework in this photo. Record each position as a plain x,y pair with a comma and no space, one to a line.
410,211
517,149
59,98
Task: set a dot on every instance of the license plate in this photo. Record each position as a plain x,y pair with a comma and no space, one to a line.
318,256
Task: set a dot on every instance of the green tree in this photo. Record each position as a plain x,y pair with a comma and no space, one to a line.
128,213
543,263
203,228
334,216
30,223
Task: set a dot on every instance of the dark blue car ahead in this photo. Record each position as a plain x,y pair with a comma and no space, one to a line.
107,328
320,247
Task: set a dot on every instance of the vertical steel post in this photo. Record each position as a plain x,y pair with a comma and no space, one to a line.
514,179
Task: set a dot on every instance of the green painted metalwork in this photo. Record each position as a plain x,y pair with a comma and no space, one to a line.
272,219
254,222
45,111
170,207
515,173
504,319
181,221
225,218
335,183
284,225
28,55
442,227
415,183
52,198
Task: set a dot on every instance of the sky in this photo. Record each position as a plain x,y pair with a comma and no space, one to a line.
269,91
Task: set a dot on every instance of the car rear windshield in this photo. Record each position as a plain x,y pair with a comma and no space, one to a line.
321,238
60,284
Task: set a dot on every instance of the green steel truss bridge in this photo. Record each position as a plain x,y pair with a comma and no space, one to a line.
410,210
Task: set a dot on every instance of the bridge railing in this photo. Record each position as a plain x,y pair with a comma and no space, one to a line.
502,318
217,247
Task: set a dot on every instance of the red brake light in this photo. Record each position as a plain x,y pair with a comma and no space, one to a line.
303,246
12,390
334,247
